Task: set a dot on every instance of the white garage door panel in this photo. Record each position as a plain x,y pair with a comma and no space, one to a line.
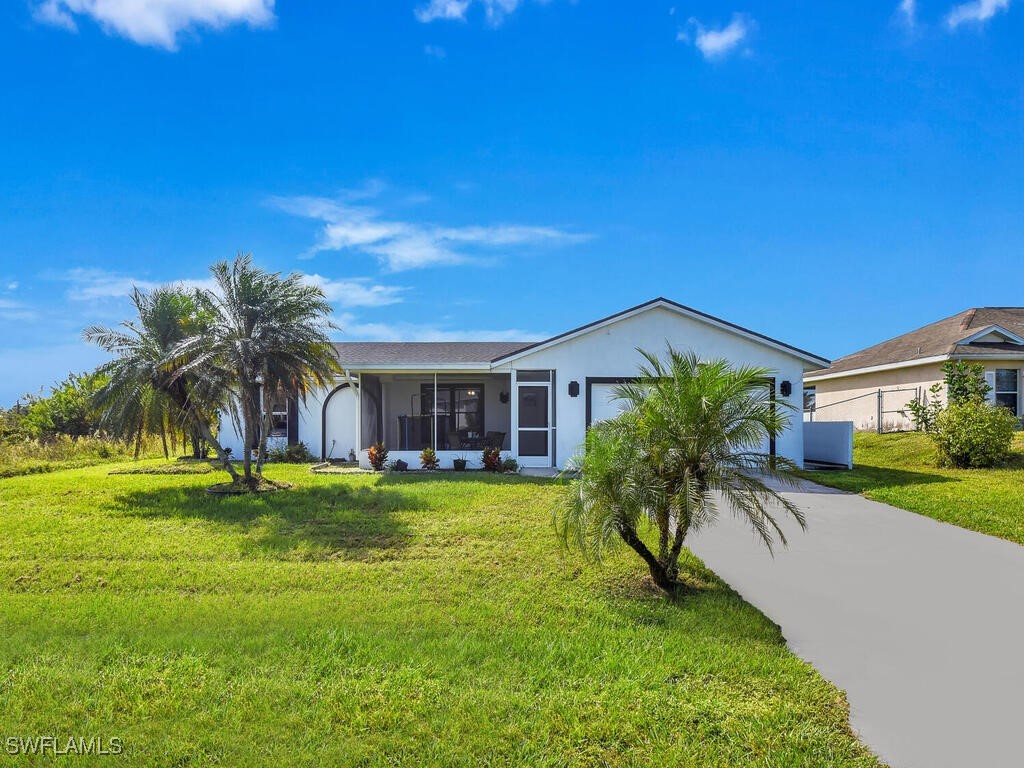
340,423
603,402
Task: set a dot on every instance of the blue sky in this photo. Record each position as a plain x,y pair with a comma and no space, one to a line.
828,173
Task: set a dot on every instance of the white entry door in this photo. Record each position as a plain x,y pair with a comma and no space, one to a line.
534,424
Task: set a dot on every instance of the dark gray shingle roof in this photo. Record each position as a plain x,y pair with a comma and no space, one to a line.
366,353
937,339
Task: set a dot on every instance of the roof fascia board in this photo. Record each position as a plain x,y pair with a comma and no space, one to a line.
418,367
877,368
999,355
671,306
993,329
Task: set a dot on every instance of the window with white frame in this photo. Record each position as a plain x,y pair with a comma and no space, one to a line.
279,418
1007,388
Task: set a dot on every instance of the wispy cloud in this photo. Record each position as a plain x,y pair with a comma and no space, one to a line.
97,285
718,43
355,330
456,10
404,245
976,11
907,12
358,292
155,22
435,51
15,310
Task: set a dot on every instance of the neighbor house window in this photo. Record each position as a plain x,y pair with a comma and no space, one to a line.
810,397
1007,383
279,418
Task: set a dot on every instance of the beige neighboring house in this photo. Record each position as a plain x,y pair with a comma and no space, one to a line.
872,387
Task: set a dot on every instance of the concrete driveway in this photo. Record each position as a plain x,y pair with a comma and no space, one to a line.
922,623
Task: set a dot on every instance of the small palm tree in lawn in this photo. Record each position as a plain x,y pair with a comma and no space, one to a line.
690,441
267,334
146,380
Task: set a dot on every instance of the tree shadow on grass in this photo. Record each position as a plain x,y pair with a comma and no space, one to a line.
312,523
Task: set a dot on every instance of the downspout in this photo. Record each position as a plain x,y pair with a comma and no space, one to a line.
435,413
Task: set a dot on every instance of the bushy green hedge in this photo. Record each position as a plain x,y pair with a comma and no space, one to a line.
973,434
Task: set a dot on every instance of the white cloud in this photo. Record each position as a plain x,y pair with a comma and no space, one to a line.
155,22
358,292
355,330
100,285
15,310
435,51
908,12
91,284
715,44
456,10
402,245
976,11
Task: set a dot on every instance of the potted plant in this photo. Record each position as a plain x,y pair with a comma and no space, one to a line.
429,460
459,464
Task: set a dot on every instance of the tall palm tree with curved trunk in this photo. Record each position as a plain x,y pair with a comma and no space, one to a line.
267,334
690,441
146,377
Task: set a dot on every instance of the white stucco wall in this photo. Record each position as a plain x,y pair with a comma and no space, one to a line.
610,351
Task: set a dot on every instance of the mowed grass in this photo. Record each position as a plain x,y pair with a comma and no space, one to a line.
377,621
900,469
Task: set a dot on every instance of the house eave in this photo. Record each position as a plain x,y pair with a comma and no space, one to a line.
913,363
806,357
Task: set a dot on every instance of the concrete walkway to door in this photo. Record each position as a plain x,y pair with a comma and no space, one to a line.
922,623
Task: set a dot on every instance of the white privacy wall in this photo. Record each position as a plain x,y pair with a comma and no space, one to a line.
610,351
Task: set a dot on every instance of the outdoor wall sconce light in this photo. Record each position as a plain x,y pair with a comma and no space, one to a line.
574,389
503,397
786,389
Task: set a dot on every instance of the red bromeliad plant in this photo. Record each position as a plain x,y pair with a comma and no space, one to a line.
378,456
492,459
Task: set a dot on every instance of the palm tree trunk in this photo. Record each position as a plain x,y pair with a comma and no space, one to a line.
223,456
163,438
261,456
138,441
659,573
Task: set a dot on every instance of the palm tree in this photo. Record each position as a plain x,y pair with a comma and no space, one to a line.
147,381
691,437
267,334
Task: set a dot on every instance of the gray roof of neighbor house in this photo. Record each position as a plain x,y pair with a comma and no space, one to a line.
944,338
389,353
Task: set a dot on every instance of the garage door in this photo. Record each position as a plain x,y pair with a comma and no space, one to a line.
603,402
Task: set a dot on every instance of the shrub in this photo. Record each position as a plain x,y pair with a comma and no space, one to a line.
509,465
27,457
428,459
973,434
492,459
292,454
965,381
378,456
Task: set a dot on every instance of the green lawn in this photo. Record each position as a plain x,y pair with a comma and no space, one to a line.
900,469
376,620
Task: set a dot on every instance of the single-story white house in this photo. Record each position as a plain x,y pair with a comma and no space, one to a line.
534,400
